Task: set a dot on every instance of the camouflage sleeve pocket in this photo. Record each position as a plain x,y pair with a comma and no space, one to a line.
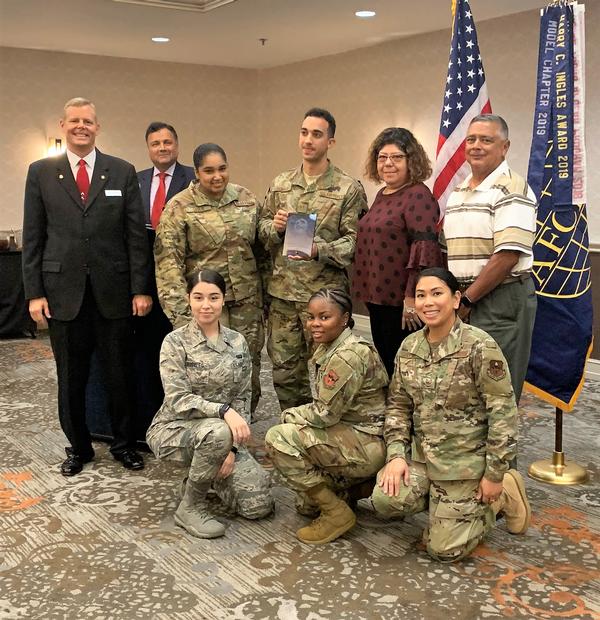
494,372
333,378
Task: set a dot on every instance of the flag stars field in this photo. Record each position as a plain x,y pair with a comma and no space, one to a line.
470,92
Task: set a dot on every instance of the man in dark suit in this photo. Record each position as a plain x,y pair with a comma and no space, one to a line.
163,149
86,270
150,330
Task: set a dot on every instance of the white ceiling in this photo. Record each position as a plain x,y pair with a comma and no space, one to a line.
228,35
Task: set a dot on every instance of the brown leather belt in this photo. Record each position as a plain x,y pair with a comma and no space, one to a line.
521,278
510,280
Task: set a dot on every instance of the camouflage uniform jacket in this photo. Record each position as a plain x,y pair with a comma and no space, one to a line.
199,376
459,402
350,387
338,200
197,232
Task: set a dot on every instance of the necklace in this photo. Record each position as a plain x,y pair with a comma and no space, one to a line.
393,191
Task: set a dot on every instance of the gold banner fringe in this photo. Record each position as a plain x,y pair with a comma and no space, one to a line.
556,402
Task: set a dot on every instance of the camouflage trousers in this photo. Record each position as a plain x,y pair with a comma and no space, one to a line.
289,346
246,317
457,521
202,445
338,456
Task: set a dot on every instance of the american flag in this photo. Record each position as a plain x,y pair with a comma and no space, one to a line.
465,97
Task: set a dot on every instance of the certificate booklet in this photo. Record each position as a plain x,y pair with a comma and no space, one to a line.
299,234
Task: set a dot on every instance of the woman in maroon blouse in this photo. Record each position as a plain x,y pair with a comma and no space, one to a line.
396,239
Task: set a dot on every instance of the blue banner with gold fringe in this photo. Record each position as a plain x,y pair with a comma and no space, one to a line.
562,336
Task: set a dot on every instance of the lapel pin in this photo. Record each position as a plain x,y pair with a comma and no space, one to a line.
60,176
103,177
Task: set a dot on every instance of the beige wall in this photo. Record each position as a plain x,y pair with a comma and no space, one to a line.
401,83
203,103
255,115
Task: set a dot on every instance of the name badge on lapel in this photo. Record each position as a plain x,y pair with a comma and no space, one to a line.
113,192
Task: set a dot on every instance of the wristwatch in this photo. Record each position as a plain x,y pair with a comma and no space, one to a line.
223,409
234,449
466,302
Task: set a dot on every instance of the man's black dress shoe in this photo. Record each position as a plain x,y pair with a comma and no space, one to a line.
74,463
130,459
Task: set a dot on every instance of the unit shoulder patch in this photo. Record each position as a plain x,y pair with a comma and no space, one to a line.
330,379
496,370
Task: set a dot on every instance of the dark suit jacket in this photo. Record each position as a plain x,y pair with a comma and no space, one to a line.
65,241
182,175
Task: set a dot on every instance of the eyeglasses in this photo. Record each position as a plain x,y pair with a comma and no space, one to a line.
395,158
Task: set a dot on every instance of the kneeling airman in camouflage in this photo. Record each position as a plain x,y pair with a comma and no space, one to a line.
452,397
203,422
334,443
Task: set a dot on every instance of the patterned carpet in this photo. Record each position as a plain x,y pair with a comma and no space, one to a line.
103,545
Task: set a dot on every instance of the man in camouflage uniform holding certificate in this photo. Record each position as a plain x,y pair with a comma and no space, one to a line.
338,200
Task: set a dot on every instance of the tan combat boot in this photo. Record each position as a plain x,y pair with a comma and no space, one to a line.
305,506
192,513
335,519
308,508
513,503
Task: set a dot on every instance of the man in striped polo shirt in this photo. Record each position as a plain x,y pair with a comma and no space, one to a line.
489,228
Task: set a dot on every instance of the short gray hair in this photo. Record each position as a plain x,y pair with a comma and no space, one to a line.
78,102
492,118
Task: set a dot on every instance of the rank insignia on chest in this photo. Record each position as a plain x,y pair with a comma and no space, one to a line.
496,370
330,379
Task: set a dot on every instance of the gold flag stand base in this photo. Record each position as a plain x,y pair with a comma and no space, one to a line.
557,471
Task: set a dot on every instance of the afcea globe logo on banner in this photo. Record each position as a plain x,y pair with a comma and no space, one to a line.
561,265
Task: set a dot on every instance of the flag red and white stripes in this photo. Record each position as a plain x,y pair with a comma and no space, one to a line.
465,97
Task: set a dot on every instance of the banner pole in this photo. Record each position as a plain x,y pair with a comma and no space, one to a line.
558,471
558,430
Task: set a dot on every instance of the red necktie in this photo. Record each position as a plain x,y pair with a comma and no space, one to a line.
83,181
159,200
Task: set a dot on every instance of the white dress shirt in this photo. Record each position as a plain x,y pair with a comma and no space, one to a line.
155,180
90,162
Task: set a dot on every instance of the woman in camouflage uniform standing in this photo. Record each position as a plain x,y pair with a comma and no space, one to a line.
451,395
212,225
334,443
203,423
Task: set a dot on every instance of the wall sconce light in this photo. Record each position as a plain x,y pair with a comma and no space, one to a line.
55,147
